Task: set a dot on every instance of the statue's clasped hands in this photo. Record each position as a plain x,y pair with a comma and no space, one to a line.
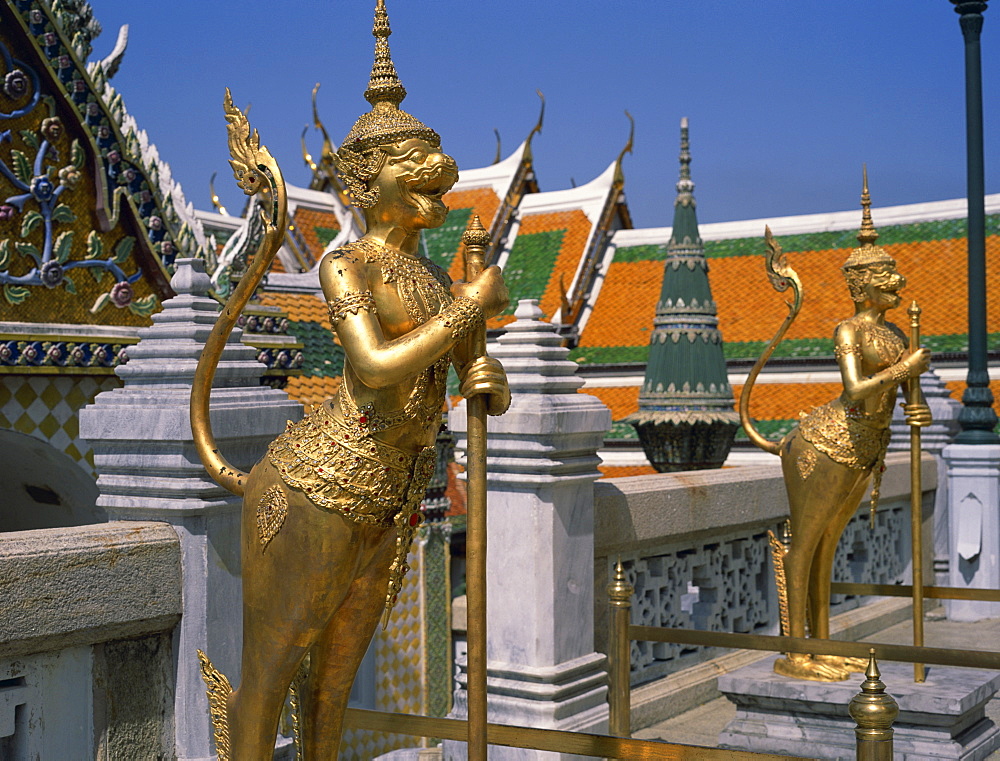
483,374
918,362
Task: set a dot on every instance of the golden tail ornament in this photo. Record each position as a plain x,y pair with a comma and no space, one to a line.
219,690
782,277
778,551
256,172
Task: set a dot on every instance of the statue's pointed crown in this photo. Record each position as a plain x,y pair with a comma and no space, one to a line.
386,122
868,253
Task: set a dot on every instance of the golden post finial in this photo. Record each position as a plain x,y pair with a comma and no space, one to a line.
874,712
868,234
619,590
383,85
476,239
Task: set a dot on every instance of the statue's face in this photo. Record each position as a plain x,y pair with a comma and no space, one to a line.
412,182
883,285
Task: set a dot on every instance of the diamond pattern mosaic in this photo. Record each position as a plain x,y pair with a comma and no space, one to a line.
48,408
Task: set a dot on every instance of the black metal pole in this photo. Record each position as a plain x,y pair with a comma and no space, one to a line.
977,417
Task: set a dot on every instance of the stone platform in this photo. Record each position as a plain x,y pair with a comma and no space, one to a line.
942,718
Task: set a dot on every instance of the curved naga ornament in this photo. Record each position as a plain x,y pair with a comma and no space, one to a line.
828,460
257,173
782,277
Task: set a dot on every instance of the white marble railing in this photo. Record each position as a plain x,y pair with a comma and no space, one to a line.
86,661
695,547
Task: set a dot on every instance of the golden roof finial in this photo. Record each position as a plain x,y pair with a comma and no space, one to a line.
619,175
868,234
384,84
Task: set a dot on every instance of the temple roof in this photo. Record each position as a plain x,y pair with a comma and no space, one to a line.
927,240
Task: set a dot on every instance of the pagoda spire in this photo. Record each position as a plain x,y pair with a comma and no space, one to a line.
686,419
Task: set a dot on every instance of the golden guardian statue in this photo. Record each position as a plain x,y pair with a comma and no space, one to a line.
330,511
828,459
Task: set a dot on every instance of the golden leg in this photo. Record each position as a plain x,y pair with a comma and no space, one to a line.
338,652
291,589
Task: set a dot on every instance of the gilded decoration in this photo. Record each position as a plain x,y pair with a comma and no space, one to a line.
70,164
344,469
805,463
271,512
350,303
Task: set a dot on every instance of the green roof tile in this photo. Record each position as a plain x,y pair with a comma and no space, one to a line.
325,234
769,429
441,244
322,355
647,253
530,265
941,229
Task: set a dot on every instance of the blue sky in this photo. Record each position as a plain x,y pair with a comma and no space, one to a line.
786,100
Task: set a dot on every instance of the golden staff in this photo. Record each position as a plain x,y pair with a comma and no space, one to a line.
913,396
476,240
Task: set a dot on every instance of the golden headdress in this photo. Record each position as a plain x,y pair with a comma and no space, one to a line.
868,253
385,123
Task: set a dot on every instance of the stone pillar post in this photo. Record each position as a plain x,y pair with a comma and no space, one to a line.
542,463
149,470
974,503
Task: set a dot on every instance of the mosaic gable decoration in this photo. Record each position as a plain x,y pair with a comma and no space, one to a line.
90,220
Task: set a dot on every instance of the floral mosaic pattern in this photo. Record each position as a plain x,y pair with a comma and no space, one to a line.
42,169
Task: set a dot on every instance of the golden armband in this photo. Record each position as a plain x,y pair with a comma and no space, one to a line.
844,349
899,372
351,302
462,316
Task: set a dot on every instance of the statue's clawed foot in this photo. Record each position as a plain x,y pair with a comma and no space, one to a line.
807,667
858,665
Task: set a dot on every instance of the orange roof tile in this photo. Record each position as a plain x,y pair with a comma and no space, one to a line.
624,312
770,401
456,490
784,401
577,228
482,201
750,310
301,307
307,220
312,389
621,471
621,400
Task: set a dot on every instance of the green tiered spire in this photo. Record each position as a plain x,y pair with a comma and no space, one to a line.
686,419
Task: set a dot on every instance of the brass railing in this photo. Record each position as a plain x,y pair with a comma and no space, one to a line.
580,743
874,743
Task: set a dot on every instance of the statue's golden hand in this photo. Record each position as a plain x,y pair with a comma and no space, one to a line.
917,363
918,415
487,289
486,375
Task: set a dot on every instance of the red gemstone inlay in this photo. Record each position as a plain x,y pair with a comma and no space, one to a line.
415,519
363,419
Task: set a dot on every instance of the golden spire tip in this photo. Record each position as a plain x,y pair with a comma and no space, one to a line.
383,85
867,234
475,234
872,671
